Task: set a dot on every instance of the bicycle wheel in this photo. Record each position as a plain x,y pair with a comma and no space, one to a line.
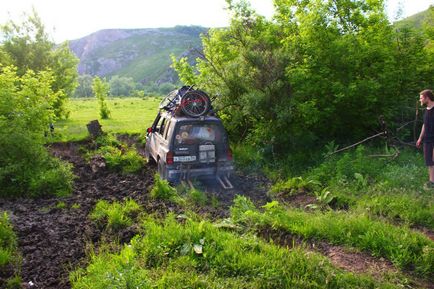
195,103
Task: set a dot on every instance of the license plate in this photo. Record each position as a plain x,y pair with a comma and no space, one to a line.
206,147
184,159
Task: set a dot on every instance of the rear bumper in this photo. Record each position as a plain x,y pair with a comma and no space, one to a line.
175,172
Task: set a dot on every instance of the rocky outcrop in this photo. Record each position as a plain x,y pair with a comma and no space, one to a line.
143,54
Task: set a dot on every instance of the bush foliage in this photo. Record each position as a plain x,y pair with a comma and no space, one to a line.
26,168
319,71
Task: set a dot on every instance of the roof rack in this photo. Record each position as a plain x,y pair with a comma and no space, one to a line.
188,101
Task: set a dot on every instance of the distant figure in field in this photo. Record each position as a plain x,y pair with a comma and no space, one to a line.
426,97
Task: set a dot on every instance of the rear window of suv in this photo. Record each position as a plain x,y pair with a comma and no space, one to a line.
194,133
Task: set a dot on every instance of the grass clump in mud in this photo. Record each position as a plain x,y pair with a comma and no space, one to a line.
163,190
192,254
115,215
9,257
116,155
405,248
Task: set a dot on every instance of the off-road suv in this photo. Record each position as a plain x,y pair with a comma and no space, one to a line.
187,141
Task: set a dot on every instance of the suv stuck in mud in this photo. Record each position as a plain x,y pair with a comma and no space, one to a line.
187,141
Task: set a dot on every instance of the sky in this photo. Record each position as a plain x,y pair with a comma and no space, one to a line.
68,20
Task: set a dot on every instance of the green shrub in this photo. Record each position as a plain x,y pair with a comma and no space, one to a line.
247,157
56,179
380,187
199,255
60,205
27,168
26,110
126,160
116,215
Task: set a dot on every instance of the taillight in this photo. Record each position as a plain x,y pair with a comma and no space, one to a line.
169,158
229,154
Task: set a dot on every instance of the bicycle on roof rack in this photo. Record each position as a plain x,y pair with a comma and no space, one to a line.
191,102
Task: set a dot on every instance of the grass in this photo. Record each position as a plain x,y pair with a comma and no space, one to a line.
407,249
163,191
411,208
128,115
115,215
8,240
8,251
196,254
382,188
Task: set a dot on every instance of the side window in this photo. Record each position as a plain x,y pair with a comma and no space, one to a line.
166,131
160,126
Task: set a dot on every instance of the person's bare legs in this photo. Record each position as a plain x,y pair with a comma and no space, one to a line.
431,173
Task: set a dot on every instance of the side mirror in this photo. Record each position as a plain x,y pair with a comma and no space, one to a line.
149,130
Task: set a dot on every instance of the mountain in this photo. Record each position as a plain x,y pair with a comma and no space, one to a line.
142,54
417,20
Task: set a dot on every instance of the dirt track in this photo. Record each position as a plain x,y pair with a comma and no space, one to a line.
53,237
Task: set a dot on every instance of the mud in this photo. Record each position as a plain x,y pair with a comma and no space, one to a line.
54,234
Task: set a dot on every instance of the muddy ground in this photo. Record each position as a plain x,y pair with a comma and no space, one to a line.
55,234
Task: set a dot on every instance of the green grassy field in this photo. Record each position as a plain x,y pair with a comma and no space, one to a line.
128,115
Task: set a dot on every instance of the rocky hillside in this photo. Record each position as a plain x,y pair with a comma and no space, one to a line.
143,54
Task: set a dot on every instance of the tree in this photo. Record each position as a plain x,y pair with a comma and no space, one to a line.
26,109
166,87
121,86
320,71
428,28
28,47
100,90
84,88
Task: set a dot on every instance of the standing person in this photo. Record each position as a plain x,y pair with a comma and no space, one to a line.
426,97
